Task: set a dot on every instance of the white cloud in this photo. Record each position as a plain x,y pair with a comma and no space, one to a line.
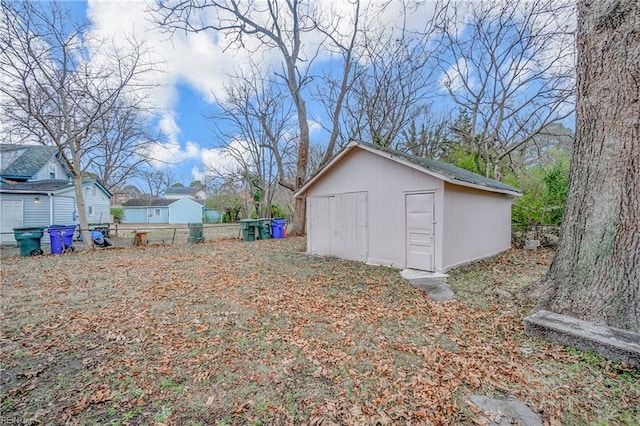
226,160
169,127
171,153
455,77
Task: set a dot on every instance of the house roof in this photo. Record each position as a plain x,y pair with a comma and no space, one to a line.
183,190
44,186
447,172
24,161
144,202
152,202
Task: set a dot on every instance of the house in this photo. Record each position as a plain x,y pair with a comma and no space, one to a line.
184,210
36,190
178,192
387,208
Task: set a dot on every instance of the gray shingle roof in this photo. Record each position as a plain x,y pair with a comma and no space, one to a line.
449,170
186,190
144,202
52,185
24,161
45,186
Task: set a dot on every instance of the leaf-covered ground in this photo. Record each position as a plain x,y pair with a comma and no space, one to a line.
228,332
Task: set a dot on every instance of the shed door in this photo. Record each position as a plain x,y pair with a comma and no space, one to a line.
321,212
338,225
352,226
10,217
420,226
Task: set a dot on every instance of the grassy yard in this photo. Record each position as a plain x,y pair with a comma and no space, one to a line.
228,332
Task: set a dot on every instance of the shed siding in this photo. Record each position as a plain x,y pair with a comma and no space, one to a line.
8,208
94,197
36,214
135,215
386,183
33,214
477,224
185,210
64,207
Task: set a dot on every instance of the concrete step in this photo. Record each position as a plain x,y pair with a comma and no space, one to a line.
611,343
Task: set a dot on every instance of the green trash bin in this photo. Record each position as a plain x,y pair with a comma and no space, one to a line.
264,226
196,233
28,238
248,227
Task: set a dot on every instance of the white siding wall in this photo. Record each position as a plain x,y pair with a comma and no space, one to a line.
386,183
43,174
64,206
94,197
477,224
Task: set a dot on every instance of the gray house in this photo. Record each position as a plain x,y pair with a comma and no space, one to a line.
36,190
387,208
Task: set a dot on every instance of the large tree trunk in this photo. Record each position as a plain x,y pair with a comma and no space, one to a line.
596,272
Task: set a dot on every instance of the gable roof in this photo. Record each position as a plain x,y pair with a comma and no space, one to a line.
146,202
183,190
153,202
447,172
45,186
24,161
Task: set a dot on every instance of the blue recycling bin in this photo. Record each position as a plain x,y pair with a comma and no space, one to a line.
61,238
277,227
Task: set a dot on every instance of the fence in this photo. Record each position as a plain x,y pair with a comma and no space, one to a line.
547,235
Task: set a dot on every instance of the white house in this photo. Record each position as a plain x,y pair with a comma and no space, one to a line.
36,190
178,192
388,208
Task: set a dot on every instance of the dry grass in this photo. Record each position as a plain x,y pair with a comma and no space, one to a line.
228,332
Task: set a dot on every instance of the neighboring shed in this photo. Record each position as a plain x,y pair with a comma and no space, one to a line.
36,190
49,202
388,208
184,210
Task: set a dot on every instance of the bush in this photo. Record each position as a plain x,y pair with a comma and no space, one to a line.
117,213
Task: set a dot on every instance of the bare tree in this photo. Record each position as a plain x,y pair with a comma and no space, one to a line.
595,274
156,180
258,125
509,66
338,81
121,146
276,25
394,85
59,83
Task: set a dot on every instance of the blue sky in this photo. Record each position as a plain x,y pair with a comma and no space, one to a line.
192,68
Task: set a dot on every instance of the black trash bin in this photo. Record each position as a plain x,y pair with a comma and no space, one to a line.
196,233
28,238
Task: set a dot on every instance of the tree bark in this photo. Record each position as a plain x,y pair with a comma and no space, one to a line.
596,272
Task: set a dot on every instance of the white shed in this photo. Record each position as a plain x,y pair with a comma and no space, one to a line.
388,208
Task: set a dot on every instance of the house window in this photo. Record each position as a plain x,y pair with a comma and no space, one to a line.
90,210
157,212
52,171
93,191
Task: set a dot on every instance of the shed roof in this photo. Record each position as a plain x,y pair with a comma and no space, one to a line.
24,161
444,171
